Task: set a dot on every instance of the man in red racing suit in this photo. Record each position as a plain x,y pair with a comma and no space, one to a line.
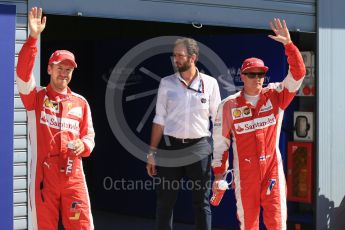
252,117
61,133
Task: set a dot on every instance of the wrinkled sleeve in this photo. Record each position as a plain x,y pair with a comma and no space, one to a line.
221,141
214,100
87,133
288,87
161,104
25,80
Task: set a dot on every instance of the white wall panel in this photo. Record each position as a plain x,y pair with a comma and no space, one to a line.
20,197
22,21
20,157
20,115
21,34
20,210
20,143
20,129
20,223
330,197
18,104
18,46
20,183
20,170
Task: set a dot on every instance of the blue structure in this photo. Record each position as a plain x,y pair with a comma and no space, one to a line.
7,41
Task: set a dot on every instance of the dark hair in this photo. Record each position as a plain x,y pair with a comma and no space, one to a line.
190,44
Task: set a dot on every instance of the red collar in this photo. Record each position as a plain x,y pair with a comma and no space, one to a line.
53,94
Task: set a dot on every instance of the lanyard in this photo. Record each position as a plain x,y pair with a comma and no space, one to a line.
200,87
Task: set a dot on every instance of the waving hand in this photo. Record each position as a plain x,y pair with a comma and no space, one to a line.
281,31
36,22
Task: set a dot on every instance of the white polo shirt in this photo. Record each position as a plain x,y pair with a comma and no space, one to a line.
184,112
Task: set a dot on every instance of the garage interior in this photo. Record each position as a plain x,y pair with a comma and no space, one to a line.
98,45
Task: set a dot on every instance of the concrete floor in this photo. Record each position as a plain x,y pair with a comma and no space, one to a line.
112,221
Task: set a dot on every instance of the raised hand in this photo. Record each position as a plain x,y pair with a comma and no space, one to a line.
36,22
281,31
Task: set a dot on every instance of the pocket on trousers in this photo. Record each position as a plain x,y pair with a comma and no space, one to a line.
249,171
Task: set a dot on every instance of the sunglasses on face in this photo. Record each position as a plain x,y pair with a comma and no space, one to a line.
253,75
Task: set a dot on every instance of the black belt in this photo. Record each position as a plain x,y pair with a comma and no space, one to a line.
182,141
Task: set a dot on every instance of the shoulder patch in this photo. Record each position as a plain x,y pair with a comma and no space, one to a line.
266,107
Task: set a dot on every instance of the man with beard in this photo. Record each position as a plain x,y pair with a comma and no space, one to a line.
185,102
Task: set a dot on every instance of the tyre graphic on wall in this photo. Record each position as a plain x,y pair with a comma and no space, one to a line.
132,92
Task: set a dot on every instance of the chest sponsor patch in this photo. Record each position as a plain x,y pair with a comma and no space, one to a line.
51,105
266,107
242,112
76,111
63,124
252,125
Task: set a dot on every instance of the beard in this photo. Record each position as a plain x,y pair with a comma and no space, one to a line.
183,67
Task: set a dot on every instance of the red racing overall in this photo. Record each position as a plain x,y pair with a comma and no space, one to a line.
258,170
55,119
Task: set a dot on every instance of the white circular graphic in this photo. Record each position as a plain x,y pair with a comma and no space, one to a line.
114,98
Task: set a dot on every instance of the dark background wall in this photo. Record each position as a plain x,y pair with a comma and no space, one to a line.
99,44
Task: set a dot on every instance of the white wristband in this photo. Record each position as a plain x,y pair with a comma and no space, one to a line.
151,153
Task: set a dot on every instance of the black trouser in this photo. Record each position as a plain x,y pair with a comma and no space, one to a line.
199,173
